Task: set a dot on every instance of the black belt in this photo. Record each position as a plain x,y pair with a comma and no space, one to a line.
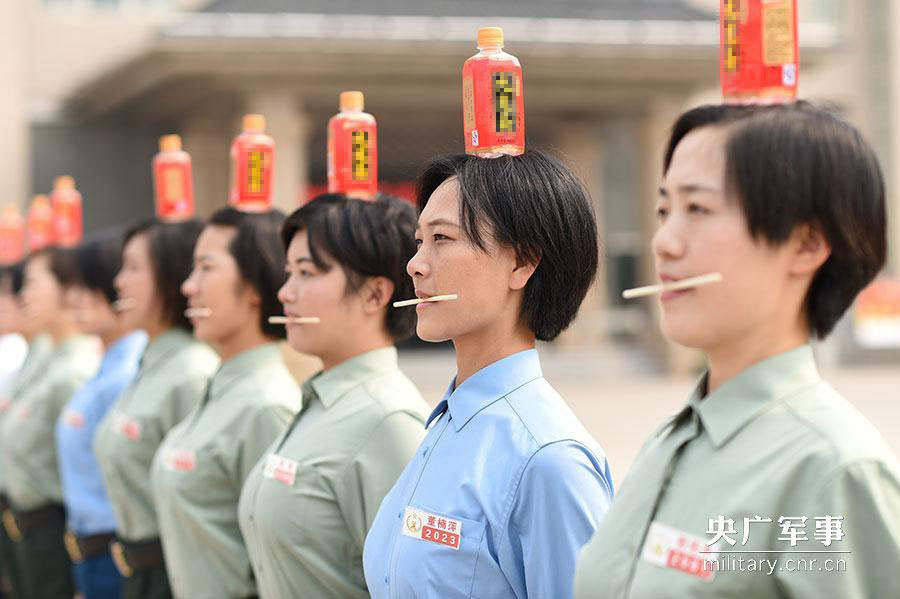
18,523
130,557
82,548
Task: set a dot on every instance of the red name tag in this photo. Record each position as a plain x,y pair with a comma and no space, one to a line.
5,403
127,427
73,418
281,469
22,412
672,548
425,526
180,459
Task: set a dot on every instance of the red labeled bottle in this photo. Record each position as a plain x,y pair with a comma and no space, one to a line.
759,54
173,181
12,235
40,223
66,203
353,149
252,161
493,103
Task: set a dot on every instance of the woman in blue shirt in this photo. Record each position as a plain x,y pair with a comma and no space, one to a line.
89,516
507,485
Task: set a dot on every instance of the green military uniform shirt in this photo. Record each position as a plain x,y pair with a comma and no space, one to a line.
201,466
772,461
171,380
307,506
39,351
28,445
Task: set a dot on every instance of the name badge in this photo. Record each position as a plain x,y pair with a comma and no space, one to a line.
5,403
281,469
419,524
179,459
127,427
672,548
22,412
73,418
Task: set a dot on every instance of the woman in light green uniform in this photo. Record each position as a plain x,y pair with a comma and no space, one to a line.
307,505
202,463
40,346
174,372
35,521
768,483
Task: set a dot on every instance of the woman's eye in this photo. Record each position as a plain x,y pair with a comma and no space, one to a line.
418,242
661,213
697,209
439,237
305,273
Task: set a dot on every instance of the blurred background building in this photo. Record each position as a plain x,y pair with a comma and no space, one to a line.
90,85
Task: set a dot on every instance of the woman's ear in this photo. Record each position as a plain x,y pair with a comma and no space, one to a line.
376,293
522,273
810,250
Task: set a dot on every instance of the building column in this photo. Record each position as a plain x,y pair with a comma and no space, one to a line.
288,123
581,145
653,134
14,126
207,139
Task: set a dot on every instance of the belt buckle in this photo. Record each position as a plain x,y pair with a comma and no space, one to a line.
11,526
72,547
118,554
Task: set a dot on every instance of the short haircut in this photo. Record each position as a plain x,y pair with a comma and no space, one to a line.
171,247
17,276
366,239
259,253
62,264
99,258
535,205
800,164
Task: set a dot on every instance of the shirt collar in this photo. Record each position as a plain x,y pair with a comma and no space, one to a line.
740,400
164,344
127,347
243,365
489,384
76,344
332,384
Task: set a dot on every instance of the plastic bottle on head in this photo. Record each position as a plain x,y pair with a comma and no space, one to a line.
12,234
40,223
493,102
758,57
353,149
252,166
173,181
67,212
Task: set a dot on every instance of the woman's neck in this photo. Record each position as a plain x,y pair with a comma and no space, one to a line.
731,359
362,345
240,342
481,348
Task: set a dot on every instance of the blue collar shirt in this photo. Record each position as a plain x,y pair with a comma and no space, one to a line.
87,506
509,467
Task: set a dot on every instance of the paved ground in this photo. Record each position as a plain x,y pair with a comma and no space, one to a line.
620,399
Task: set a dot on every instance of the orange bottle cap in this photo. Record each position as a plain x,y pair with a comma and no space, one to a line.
490,36
64,182
254,122
352,100
170,143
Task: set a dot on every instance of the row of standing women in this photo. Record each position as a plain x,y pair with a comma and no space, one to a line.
186,455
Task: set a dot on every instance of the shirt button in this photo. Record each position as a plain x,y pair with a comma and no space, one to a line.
399,515
387,579
424,451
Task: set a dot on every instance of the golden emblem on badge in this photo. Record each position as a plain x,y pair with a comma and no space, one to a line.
414,523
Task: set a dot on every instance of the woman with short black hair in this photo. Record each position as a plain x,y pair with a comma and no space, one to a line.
507,485
787,204
174,372
35,520
90,521
203,461
306,508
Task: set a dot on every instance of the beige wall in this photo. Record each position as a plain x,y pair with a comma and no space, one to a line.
13,104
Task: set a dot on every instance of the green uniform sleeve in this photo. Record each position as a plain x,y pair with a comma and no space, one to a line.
372,472
866,494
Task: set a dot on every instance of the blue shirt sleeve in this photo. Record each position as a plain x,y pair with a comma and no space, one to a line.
564,492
